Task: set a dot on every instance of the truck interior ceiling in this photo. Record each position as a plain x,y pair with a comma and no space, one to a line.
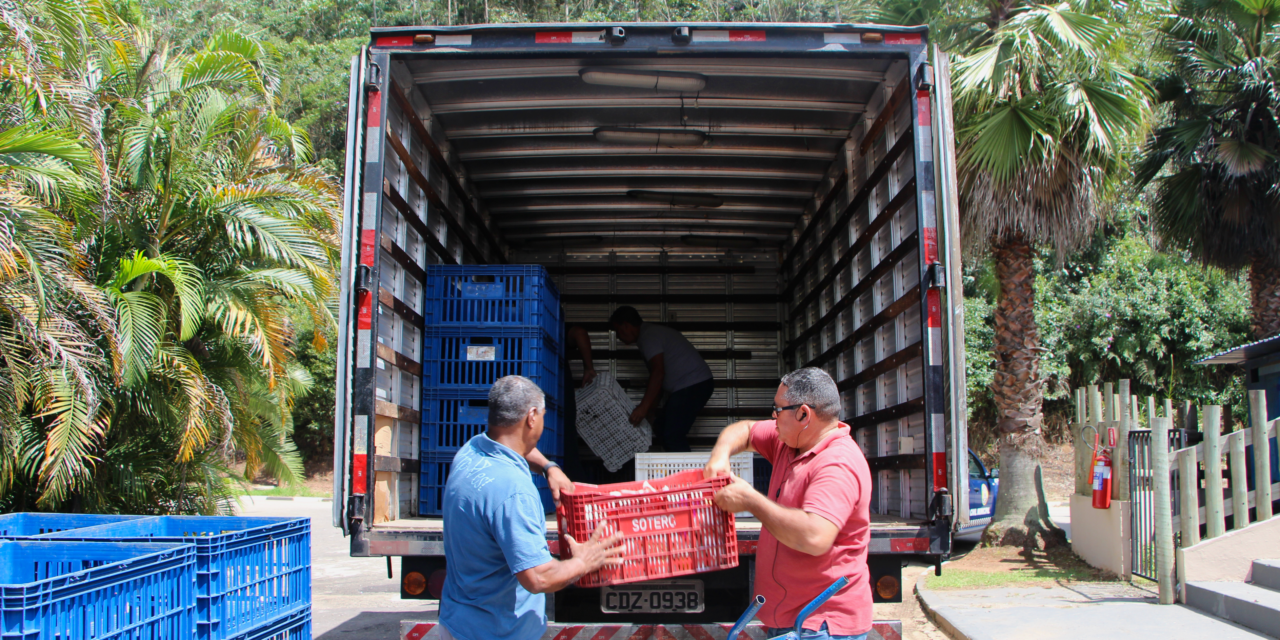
766,203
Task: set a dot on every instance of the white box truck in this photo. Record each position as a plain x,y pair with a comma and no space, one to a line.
783,194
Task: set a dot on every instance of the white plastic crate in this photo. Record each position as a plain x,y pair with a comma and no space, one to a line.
604,413
660,465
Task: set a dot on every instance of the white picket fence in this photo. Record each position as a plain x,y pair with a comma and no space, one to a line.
1225,486
1209,480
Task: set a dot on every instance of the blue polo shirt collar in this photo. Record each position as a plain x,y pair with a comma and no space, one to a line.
494,449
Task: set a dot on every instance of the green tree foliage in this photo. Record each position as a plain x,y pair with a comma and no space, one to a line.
1045,107
148,335
1146,316
1216,163
1119,309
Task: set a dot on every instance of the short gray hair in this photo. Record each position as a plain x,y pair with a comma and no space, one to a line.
510,398
812,386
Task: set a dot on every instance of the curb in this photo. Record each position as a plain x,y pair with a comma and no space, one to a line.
251,499
929,604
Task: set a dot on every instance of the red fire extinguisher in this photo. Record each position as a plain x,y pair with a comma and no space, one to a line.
1101,477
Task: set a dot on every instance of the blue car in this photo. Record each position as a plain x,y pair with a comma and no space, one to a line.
984,484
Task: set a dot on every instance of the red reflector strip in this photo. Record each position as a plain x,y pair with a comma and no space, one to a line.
419,631
364,318
747,547
902,38
698,633
368,246
939,472
887,630
375,109
568,37
909,545
712,35
924,111
553,37
930,245
568,633
935,308
393,41
606,633
359,473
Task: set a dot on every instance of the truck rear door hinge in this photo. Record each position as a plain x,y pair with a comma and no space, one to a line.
936,277
364,278
942,504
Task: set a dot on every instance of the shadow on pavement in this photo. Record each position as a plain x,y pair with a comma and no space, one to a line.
375,625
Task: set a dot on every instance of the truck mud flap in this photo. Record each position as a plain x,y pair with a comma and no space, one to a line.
412,630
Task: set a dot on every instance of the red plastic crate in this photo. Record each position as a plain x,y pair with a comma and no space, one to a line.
676,530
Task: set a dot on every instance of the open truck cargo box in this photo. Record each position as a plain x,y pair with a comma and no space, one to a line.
783,194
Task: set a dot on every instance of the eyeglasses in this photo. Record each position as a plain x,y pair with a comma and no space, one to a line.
777,410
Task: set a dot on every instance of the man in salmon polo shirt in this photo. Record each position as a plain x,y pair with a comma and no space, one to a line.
817,515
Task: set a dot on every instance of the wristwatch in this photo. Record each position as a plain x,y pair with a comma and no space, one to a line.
546,469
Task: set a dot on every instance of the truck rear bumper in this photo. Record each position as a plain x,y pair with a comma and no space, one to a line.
414,630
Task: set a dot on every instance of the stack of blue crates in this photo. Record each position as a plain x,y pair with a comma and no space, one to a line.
100,590
215,578
483,322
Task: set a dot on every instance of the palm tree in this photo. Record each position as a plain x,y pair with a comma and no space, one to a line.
1216,164
1045,109
56,328
160,225
222,230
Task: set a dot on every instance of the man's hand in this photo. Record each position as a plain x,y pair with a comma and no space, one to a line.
558,481
717,465
599,551
588,376
733,439
638,415
738,496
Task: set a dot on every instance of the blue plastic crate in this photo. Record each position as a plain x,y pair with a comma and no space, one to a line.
295,626
452,417
435,474
492,295
100,590
249,571
27,525
473,358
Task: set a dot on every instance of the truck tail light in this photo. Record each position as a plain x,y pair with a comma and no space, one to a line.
435,585
414,583
887,587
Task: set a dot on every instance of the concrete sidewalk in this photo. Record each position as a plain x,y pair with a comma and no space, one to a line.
1110,610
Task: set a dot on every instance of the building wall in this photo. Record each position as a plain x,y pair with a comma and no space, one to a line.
1101,536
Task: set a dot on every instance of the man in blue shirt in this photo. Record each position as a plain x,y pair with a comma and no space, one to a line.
494,528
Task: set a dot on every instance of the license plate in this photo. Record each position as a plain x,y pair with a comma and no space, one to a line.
684,596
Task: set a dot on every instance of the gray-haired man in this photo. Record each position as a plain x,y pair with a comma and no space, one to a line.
816,517
494,529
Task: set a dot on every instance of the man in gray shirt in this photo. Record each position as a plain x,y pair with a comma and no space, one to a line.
674,367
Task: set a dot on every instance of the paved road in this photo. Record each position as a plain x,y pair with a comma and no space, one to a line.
352,597
1080,610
